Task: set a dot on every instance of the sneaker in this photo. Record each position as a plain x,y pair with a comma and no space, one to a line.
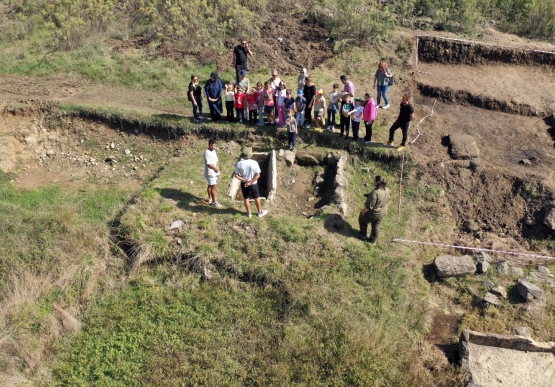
307,127
386,107
216,204
388,143
368,142
293,149
371,241
249,215
196,120
263,213
400,147
361,237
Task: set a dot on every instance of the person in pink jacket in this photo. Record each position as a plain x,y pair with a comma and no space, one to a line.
369,115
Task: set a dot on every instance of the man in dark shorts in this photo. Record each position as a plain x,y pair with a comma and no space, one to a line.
248,171
406,115
240,54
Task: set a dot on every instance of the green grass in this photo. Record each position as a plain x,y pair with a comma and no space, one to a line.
289,302
52,250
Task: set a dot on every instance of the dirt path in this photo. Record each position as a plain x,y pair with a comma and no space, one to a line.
14,88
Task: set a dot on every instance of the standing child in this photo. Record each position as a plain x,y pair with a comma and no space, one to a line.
229,97
356,116
300,105
292,129
281,95
289,101
260,91
269,102
369,115
252,102
345,119
333,106
319,108
301,79
240,105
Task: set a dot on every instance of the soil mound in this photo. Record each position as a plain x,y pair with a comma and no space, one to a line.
287,43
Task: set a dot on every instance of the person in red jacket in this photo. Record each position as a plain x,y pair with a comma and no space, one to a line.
252,103
240,105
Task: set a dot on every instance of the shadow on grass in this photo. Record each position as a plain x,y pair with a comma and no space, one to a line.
335,223
429,273
189,202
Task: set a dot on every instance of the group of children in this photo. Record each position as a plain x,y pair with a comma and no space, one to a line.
277,104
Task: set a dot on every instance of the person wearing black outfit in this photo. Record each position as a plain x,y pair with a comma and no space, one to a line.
406,115
195,96
213,91
240,57
309,91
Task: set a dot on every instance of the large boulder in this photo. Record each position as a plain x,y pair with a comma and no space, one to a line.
453,266
530,291
463,147
289,157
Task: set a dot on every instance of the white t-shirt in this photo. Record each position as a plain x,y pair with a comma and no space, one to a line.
210,157
247,168
358,113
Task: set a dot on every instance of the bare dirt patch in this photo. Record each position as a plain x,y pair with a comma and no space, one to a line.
303,45
494,87
41,148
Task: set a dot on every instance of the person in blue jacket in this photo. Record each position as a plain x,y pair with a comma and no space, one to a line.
213,90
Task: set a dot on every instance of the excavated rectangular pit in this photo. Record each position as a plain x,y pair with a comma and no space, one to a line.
506,361
267,183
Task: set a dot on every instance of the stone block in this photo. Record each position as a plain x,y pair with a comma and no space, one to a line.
517,271
453,266
482,262
289,157
529,291
499,291
463,147
492,299
502,267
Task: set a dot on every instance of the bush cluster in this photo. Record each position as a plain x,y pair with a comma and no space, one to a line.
205,25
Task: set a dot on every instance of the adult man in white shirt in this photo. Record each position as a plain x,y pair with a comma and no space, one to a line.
248,171
211,172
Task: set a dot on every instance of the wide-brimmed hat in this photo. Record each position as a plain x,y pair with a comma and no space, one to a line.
246,152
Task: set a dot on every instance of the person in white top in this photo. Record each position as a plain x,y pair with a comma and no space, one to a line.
248,171
211,172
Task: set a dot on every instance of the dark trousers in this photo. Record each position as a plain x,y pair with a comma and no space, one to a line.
308,116
238,69
405,129
229,108
368,135
356,127
363,224
241,115
253,116
215,110
331,117
197,110
292,137
345,123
